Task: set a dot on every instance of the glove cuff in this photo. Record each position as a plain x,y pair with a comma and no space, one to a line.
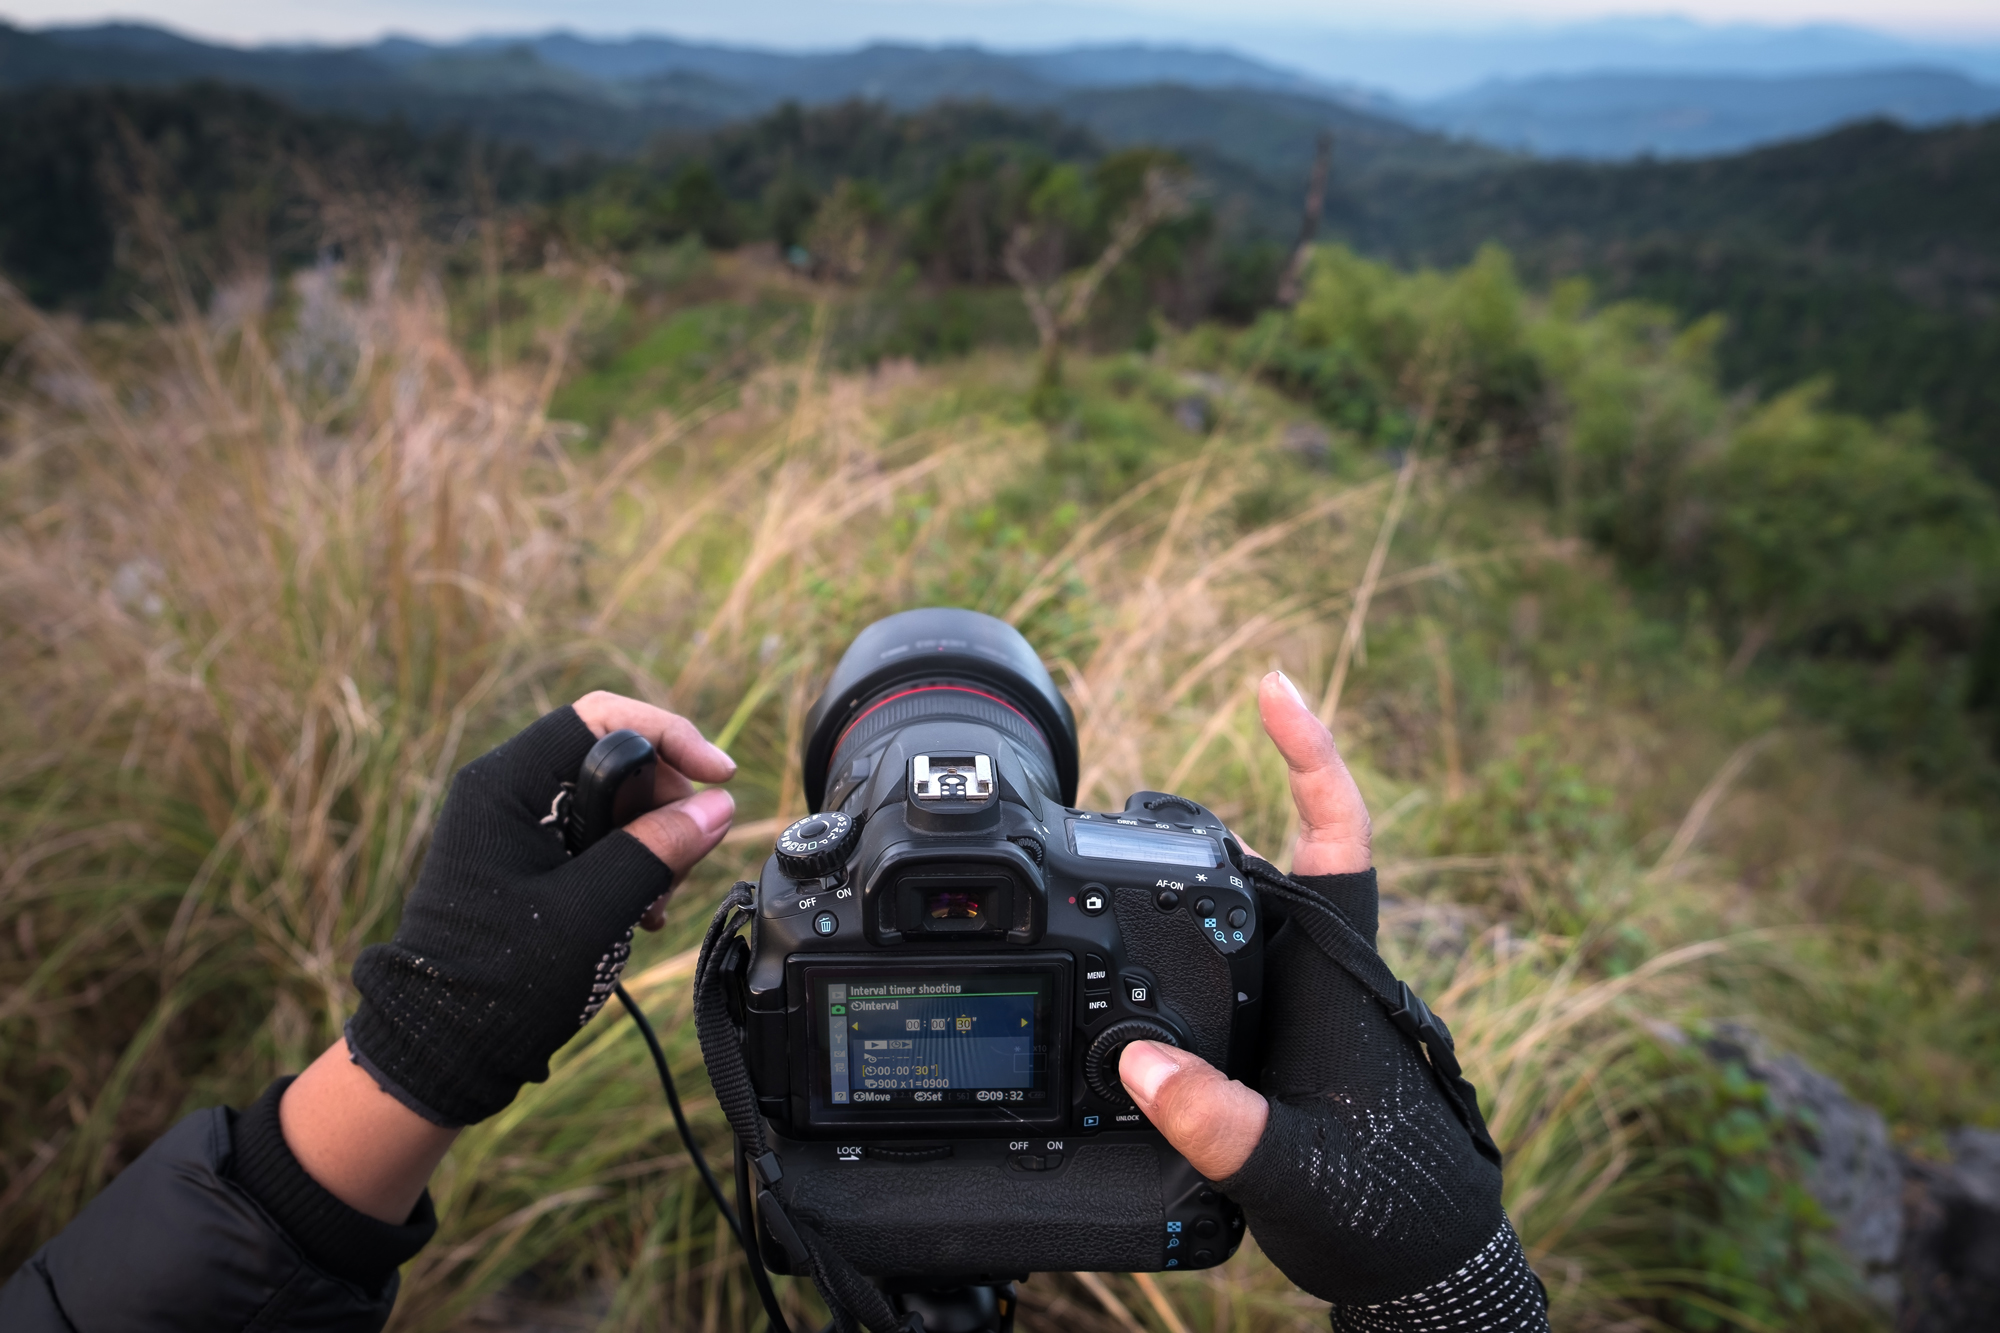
1356,895
382,1079
439,1078
1495,1289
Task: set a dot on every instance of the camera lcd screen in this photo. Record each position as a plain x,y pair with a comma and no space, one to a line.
1123,842
935,1040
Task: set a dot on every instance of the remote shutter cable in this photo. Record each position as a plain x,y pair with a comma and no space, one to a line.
736,1224
612,787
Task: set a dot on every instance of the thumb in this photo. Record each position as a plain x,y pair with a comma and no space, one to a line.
1213,1120
679,834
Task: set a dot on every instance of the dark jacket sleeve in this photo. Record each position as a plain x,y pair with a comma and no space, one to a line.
217,1228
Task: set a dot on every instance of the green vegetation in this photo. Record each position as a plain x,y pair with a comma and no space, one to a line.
1673,703
1864,255
1855,555
93,185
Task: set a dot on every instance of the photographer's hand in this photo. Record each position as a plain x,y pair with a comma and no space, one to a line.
507,945
1358,1179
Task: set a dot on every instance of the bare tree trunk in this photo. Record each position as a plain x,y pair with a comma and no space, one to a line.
1755,636
1059,305
1292,285
1040,296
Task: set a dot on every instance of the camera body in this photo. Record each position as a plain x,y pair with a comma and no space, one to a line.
947,959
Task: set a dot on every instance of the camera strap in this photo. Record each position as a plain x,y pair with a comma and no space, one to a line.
849,1296
1328,928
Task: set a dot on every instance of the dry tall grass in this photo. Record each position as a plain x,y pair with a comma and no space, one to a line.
270,571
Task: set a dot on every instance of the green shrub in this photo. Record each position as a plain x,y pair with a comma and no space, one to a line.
1744,1221
1810,538
1811,525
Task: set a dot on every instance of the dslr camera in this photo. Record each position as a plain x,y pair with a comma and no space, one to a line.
947,958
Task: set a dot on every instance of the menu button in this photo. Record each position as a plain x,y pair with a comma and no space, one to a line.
1096,974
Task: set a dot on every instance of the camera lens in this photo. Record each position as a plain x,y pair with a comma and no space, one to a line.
942,664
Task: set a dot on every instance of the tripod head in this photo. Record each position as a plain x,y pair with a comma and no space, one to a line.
960,1309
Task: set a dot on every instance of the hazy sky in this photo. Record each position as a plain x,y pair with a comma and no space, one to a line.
795,23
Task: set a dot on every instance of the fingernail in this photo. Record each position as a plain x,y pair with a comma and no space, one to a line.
711,810
1291,689
1143,1067
723,755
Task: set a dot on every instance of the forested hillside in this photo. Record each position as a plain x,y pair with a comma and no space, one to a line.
94,182
1868,256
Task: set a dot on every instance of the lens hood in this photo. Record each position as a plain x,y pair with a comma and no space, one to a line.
939,643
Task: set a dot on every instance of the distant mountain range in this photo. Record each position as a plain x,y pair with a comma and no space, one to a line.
1420,65
564,94
1620,115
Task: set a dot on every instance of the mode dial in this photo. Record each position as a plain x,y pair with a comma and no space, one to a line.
816,844
1100,1062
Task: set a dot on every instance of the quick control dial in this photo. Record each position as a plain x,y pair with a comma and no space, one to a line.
816,844
1100,1062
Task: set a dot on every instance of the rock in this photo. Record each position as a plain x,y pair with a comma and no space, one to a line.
521,1307
1308,442
1951,1247
1976,1155
1853,1173
1423,929
1194,414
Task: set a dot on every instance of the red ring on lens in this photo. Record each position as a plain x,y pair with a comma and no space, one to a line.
928,689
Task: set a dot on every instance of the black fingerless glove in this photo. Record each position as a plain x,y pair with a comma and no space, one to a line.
1367,1188
508,945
